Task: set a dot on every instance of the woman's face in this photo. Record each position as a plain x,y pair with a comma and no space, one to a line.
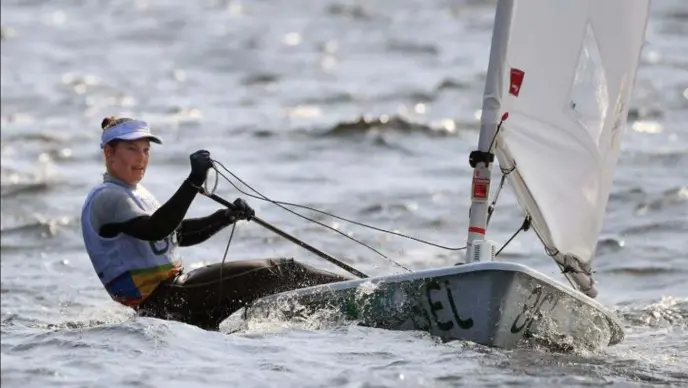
128,160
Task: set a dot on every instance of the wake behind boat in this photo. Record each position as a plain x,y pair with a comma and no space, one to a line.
558,86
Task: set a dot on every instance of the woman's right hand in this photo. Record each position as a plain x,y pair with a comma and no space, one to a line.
200,164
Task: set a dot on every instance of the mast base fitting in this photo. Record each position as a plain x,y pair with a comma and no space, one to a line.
482,250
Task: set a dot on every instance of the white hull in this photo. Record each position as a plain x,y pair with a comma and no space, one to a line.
499,304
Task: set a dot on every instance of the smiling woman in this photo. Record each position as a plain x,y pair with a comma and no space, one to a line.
126,146
132,240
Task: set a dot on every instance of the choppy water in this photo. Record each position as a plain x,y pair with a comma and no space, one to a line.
367,109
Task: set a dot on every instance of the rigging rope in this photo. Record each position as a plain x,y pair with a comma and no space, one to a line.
258,195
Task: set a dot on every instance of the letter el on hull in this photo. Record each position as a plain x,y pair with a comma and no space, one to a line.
442,304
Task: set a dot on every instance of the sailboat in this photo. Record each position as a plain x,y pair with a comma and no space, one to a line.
559,80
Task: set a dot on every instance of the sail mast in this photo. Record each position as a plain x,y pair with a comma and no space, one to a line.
481,160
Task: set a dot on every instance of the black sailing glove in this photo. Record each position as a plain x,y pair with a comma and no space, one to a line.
200,164
241,211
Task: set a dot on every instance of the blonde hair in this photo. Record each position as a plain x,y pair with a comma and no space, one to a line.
111,121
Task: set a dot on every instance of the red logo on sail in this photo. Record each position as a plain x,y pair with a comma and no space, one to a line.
516,81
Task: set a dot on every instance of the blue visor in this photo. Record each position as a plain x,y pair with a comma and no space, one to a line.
128,130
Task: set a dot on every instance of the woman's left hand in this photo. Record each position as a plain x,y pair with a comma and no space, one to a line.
241,211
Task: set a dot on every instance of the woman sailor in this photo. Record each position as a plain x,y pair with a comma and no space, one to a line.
133,241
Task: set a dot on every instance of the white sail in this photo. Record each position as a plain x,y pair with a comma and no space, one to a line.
566,79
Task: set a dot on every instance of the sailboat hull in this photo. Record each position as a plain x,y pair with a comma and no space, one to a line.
498,304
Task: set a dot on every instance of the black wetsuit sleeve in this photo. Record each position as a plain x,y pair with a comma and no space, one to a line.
196,230
161,223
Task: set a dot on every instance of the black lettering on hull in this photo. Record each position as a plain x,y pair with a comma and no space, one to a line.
532,311
436,306
463,323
